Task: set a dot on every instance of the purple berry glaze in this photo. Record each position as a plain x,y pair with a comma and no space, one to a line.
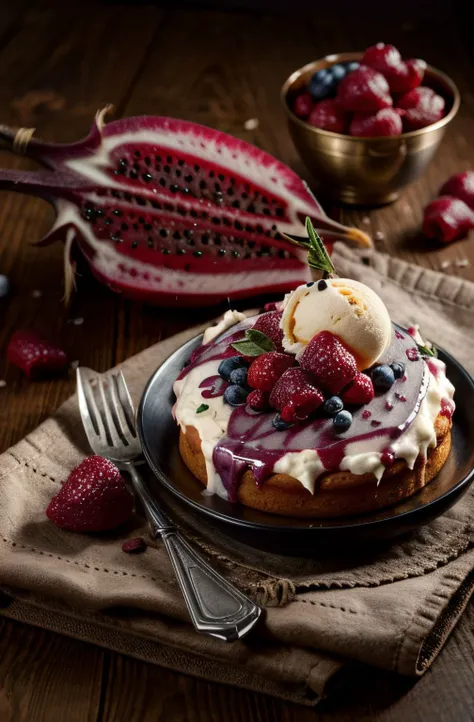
213,386
252,443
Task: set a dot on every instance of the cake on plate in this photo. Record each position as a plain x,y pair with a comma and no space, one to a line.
318,407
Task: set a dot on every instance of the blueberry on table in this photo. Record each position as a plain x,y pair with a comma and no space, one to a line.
279,424
239,376
398,370
228,365
383,378
333,405
235,395
342,421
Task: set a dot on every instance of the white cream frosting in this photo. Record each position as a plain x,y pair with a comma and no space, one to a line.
306,466
230,318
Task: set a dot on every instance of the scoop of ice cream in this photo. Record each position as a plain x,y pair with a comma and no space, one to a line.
346,308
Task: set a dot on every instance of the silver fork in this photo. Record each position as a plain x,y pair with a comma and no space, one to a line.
216,607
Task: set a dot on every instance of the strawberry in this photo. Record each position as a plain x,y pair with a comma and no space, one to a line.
304,402
258,400
360,391
94,498
423,107
385,122
302,105
35,356
292,381
401,76
269,324
332,365
447,219
328,115
460,186
364,91
267,369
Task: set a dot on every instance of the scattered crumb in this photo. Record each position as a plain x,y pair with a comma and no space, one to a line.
78,321
37,293
251,124
379,235
462,263
74,365
366,220
2,384
444,265
134,546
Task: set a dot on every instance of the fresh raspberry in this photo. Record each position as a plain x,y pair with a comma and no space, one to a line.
134,546
273,306
290,383
94,498
302,105
269,324
35,356
332,365
364,91
302,404
267,369
447,219
258,400
360,391
460,186
386,122
328,115
423,107
401,76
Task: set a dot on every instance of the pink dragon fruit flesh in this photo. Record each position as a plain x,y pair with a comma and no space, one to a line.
172,212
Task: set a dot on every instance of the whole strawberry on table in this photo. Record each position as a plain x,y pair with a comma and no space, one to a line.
382,95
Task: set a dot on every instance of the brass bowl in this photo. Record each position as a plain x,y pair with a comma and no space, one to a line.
366,171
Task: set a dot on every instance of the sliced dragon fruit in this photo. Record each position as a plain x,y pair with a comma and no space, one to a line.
173,212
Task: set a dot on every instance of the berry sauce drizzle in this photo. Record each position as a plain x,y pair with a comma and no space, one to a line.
213,387
251,442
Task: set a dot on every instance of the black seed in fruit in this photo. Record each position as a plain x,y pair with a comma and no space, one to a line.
150,242
217,239
176,235
108,221
137,154
135,226
136,167
115,237
169,159
230,191
181,162
188,233
251,208
226,222
222,251
205,239
251,244
140,200
147,160
202,185
147,226
177,173
165,251
128,197
281,254
141,219
162,182
238,226
133,174
193,213
158,158
181,251
182,211
188,178
236,254
245,196
166,168
280,212
235,204
134,244
211,174
174,188
124,227
155,204
164,232
217,187
197,168
115,194
198,254
117,212
216,220
147,177
191,242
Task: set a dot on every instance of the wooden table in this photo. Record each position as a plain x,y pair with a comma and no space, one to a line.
58,65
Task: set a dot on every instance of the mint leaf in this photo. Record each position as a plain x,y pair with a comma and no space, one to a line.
255,343
425,351
203,407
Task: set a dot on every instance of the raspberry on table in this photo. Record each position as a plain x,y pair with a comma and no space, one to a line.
35,356
447,219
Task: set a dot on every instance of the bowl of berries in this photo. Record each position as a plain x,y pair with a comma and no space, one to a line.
367,124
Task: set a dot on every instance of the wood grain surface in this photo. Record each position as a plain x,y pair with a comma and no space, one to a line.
60,62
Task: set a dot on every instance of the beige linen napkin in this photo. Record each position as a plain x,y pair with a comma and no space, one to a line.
390,606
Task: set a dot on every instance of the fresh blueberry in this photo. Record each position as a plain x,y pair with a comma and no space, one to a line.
398,370
239,376
342,421
4,286
321,87
338,71
333,405
351,66
383,378
279,424
235,395
228,365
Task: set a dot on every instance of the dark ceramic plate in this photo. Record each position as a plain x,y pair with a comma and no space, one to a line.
159,437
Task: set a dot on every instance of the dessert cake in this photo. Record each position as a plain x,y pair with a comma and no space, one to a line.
320,407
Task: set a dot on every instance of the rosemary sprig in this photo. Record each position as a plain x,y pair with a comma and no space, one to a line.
318,257
426,351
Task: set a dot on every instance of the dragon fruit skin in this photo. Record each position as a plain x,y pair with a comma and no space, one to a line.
171,212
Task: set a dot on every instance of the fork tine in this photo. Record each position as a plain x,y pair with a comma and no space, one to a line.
126,403
119,415
88,407
113,434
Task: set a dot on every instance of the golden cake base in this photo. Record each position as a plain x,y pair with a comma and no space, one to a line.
338,493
